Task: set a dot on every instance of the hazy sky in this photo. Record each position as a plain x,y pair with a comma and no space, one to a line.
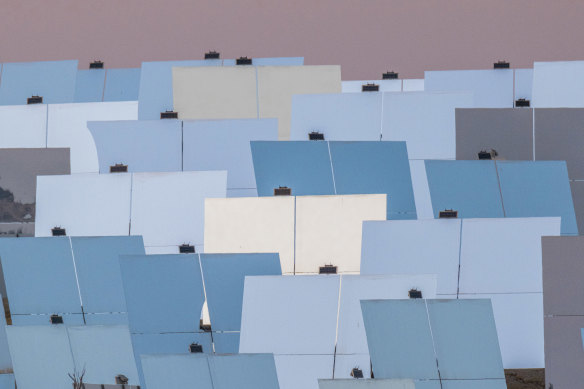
367,37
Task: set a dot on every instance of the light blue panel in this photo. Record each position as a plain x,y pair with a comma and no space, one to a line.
164,293
98,270
340,116
277,61
122,84
224,145
45,320
54,81
40,276
491,88
243,371
155,94
523,83
143,145
399,339
7,381
582,333
242,192
224,276
375,167
538,188
472,384
176,371
303,166
428,384
106,319
160,344
5,361
105,352
226,342
41,356
393,247
89,85
469,187
465,339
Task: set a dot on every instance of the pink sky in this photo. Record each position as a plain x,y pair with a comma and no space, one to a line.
366,37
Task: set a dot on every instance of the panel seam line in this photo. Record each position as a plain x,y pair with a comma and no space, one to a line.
381,118
500,189
205,295
459,259
71,349
337,326
433,342
76,277
332,168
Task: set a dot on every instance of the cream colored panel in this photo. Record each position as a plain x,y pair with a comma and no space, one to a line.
251,225
328,230
210,92
277,84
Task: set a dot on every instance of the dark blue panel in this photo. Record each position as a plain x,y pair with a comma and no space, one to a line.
243,371
7,381
465,339
173,343
98,271
75,319
226,342
375,167
54,81
122,84
469,187
157,344
164,293
303,166
89,85
40,275
399,338
224,276
539,188
106,319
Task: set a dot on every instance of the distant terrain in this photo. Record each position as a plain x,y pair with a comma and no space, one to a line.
11,211
525,378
